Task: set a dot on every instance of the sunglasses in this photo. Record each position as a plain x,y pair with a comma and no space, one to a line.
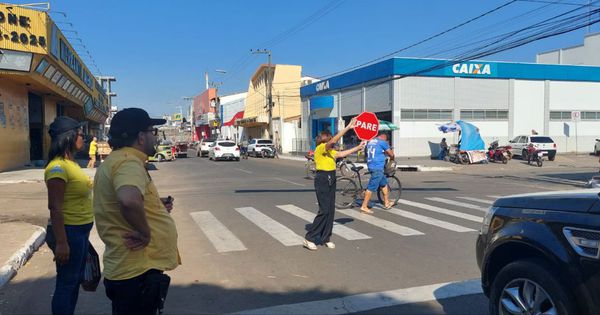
153,130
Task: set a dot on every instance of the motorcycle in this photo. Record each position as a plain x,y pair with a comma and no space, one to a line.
499,153
535,155
267,152
456,155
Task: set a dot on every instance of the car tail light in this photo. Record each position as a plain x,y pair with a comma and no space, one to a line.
217,149
554,145
584,242
508,147
237,148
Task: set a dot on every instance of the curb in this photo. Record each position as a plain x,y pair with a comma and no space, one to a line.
21,256
402,168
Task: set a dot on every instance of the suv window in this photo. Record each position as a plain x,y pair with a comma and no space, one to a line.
541,140
265,142
522,139
226,144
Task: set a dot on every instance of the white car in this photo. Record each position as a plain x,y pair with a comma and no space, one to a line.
544,143
202,148
257,146
224,150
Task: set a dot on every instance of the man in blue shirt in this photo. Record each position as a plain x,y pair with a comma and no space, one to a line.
377,149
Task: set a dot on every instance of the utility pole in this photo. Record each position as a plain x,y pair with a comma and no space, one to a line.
269,81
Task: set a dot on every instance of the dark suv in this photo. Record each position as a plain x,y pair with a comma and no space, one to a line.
539,253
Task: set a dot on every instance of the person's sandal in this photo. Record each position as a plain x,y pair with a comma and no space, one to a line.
388,206
366,211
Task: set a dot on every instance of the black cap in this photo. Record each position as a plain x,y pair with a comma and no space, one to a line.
129,121
63,124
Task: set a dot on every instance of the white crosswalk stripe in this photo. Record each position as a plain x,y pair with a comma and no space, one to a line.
386,225
222,238
277,230
441,210
457,203
428,220
486,201
338,229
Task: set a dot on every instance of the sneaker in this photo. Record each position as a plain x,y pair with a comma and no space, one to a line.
310,245
330,245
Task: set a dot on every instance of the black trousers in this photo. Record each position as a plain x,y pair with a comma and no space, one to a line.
322,226
131,296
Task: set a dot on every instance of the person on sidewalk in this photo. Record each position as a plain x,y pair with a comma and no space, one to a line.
132,221
443,149
377,149
93,150
71,215
325,156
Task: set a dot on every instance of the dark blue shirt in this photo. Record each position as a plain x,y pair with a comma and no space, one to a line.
375,154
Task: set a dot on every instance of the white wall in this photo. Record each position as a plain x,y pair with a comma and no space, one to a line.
584,135
528,109
574,96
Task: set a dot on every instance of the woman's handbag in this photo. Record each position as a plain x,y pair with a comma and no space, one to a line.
92,274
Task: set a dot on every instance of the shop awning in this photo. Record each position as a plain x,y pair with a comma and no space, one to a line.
321,103
238,115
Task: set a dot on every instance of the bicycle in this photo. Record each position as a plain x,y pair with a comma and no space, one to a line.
348,192
342,165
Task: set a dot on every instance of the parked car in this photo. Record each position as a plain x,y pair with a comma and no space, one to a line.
163,153
202,149
181,149
597,147
224,150
255,146
544,143
540,253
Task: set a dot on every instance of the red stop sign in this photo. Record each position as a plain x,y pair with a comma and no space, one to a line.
367,126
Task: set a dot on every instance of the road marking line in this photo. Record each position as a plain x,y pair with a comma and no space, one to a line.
288,181
338,229
222,238
277,230
243,170
494,196
386,225
486,201
369,301
458,203
441,210
428,220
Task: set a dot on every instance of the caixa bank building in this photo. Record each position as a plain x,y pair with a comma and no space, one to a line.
504,100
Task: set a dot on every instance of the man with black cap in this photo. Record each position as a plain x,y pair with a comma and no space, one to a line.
132,221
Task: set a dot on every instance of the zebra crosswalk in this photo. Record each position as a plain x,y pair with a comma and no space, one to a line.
455,215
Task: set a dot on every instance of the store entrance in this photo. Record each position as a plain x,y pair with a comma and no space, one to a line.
322,124
36,128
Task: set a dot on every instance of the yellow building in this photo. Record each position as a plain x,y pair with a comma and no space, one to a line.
286,104
41,77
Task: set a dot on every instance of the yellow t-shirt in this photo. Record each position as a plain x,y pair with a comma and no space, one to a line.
125,167
93,147
77,204
324,159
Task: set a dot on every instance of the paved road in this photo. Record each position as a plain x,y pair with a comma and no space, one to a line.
241,225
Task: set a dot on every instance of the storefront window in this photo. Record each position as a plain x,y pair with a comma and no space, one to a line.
42,66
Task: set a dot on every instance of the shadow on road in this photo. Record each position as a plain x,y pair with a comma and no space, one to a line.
34,297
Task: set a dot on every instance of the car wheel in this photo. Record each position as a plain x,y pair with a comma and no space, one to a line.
597,153
524,155
529,287
551,158
237,159
160,158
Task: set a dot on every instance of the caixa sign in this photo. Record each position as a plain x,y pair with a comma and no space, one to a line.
472,68
321,86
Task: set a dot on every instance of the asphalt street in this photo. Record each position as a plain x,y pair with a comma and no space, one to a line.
241,224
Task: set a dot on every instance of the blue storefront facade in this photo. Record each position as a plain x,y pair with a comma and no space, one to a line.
503,99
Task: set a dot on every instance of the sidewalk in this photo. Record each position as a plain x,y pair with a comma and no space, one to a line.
23,217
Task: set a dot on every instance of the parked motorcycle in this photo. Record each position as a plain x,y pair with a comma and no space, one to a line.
498,153
456,155
535,155
267,152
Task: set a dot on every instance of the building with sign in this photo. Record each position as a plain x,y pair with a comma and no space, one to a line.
41,77
232,112
205,119
502,99
286,110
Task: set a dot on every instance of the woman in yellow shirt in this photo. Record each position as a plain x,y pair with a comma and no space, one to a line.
325,156
71,215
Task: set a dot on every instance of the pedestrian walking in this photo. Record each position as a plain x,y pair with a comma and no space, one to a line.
377,149
71,215
132,221
325,157
92,152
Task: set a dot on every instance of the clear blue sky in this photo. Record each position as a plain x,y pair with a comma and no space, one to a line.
159,50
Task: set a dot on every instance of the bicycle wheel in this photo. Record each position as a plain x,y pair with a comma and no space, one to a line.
394,190
346,169
345,193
